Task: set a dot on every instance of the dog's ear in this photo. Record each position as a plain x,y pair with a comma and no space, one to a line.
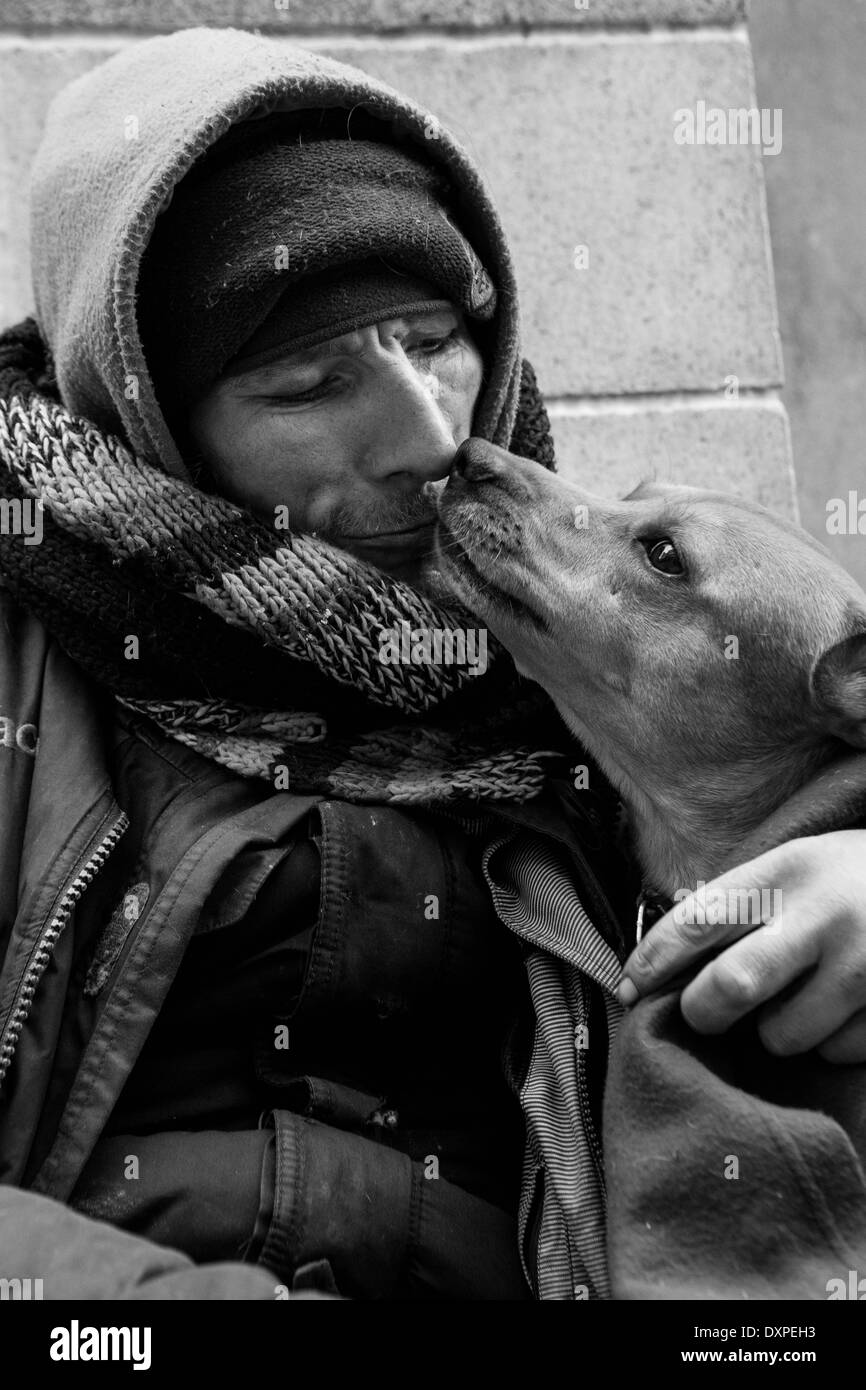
839,688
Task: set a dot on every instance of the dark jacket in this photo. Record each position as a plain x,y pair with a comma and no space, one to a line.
731,1173
247,1024
242,1023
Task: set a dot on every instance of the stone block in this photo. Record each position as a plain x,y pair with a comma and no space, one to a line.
294,16
735,446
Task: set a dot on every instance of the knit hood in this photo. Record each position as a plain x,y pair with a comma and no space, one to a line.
117,142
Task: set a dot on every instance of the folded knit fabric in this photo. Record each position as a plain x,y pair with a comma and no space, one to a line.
259,650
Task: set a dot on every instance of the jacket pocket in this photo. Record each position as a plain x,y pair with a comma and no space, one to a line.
384,1227
339,1198
320,1099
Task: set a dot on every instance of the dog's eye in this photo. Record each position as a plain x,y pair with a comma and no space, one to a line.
663,555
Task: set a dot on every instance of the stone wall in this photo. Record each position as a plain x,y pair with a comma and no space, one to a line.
810,60
644,264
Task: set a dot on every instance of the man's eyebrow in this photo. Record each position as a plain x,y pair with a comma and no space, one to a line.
332,348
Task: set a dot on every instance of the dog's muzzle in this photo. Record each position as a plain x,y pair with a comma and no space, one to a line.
481,534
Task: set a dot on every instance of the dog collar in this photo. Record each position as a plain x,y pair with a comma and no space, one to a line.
650,907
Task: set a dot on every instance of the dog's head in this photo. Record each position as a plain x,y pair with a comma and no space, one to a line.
676,625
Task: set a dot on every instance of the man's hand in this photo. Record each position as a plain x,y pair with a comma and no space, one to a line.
803,967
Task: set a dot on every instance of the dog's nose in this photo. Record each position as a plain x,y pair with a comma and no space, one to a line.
478,461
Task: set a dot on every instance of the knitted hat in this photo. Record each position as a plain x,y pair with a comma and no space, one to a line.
334,302
281,238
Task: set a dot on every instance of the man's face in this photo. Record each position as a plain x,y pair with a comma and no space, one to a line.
345,434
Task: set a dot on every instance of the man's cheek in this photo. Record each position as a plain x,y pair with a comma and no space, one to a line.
457,402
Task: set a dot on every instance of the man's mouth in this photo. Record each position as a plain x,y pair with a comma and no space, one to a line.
408,535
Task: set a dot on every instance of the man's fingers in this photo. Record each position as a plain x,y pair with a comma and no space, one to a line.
704,921
848,1043
821,1009
752,971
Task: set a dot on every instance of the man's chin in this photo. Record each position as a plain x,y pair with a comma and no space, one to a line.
417,572
415,568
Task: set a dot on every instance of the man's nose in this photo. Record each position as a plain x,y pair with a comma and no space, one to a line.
411,435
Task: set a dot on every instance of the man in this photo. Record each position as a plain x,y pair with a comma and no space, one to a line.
283,979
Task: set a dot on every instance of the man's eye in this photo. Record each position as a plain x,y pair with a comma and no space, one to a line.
429,346
301,397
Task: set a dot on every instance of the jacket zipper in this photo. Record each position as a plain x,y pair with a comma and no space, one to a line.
589,1128
42,954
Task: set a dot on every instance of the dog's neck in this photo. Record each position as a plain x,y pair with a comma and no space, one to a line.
688,831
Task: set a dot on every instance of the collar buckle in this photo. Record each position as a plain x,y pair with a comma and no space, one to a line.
650,907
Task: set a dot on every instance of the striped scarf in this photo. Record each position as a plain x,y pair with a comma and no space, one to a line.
257,649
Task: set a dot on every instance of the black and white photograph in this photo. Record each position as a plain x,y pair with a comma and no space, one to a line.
432,671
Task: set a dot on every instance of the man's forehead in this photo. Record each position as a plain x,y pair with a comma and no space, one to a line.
423,318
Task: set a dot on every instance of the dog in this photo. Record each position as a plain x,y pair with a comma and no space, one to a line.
708,654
